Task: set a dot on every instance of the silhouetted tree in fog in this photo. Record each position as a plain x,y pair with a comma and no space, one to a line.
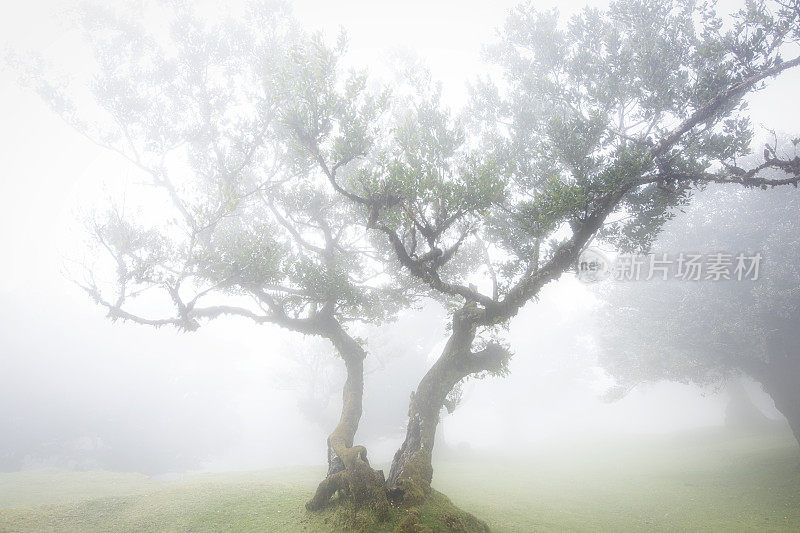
707,332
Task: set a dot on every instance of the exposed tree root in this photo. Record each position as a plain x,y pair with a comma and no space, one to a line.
358,482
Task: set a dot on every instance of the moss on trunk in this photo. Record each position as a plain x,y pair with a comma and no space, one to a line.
349,472
435,514
412,471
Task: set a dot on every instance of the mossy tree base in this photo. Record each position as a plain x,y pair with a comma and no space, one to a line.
435,514
358,485
414,485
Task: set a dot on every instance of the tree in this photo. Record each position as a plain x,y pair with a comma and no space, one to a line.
598,131
234,220
711,332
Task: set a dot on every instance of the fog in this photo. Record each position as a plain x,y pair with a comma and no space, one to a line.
78,391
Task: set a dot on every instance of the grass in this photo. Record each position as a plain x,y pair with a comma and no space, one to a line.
700,482
709,481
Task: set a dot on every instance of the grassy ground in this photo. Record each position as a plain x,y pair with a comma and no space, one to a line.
706,481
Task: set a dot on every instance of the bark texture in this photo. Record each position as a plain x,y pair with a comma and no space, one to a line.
349,471
409,480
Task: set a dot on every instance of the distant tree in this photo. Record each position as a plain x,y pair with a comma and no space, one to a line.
311,370
709,332
741,413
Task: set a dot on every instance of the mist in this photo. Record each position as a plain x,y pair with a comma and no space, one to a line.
85,389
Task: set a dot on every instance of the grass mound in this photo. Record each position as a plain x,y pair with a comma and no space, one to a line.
437,514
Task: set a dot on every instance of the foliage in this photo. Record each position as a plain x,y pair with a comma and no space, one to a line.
227,123
301,190
600,128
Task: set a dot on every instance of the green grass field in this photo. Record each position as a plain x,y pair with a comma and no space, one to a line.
709,481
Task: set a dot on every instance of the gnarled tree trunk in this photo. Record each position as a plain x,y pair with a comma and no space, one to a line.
411,473
781,380
349,471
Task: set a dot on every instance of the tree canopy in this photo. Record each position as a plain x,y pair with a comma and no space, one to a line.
708,332
233,127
